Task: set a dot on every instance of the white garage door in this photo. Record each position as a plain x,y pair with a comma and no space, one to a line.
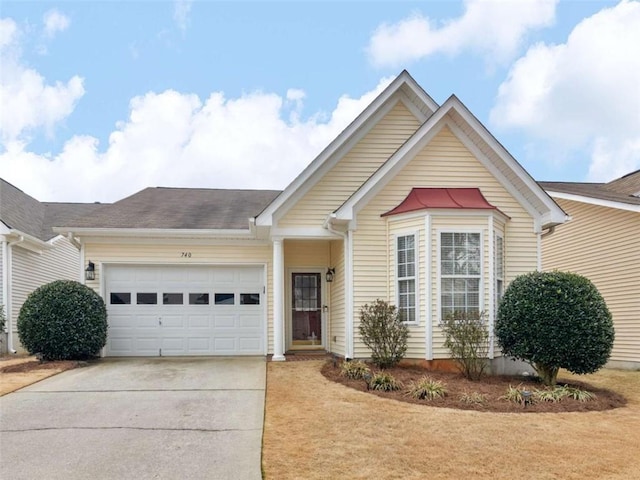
163,310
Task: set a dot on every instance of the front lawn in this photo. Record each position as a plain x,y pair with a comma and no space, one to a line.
318,429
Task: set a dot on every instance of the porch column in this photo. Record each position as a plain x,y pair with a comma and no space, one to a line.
278,301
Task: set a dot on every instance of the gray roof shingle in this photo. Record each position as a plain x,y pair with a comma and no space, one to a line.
24,213
619,190
180,208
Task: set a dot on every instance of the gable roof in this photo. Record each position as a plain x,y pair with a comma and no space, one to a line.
449,198
25,214
623,192
402,88
474,135
179,208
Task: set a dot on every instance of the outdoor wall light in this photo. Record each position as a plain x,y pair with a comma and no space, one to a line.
330,273
90,271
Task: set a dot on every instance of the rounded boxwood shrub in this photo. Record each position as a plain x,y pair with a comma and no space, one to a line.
63,320
555,320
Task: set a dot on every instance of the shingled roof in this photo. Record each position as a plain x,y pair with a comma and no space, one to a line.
19,211
181,208
625,189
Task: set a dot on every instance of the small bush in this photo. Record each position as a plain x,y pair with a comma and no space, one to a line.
549,394
559,392
578,394
473,398
514,394
63,320
467,338
383,331
356,370
555,320
384,381
427,389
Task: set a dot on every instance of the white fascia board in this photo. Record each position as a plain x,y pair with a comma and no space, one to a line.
156,232
308,233
28,242
393,165
343,142
595,201
557,215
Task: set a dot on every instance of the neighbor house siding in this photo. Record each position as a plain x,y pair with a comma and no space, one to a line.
353,169
603,244
30,270
444,162
171,254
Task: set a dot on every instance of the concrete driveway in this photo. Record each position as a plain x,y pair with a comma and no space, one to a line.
173,418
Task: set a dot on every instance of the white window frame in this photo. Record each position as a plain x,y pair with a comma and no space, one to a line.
416,275
481,275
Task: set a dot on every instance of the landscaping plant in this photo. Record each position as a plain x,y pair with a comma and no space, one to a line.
555,320
384,381
356,369
427,389
473,398
384,332
63,320
467,338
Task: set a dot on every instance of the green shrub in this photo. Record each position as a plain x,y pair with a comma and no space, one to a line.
473,398
384,381
355,369
383,331
427,388
555,320
557,393
578,394
63,320
467,338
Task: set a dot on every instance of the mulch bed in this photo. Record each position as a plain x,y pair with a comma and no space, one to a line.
491,386
37,365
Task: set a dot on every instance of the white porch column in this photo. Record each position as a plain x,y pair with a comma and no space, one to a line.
278,301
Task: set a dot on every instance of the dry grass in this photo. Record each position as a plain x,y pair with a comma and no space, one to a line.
317,429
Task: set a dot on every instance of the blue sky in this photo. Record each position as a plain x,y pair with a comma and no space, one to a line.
102,99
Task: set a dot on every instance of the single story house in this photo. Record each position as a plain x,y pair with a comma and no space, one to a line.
415,203
602,242
31,253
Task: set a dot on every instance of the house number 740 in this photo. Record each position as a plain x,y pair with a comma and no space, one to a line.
186,254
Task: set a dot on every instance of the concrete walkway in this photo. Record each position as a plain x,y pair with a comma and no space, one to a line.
173,418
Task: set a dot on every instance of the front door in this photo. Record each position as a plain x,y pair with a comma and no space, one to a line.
306,311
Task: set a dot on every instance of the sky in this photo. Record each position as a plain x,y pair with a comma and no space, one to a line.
99,100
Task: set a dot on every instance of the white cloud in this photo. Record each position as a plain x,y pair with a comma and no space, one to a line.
582,94
177,139
181,11
55,22
28,102
493,28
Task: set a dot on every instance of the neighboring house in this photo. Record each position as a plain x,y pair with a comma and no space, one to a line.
32,254
602,242
413,202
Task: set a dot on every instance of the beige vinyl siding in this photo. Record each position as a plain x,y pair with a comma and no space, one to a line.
353,169
444,162
337,300
603,244
30,270
165,254
416,343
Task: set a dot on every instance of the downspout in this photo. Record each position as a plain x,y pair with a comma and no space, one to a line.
8,260
348,311
548,232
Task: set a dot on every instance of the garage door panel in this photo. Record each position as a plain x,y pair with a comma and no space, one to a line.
199,310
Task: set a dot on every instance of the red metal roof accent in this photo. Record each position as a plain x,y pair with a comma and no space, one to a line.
458,198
